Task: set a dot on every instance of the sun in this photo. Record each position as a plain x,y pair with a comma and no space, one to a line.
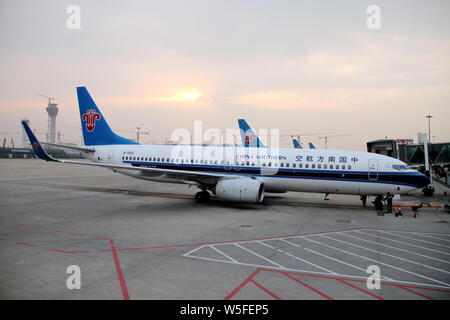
191,96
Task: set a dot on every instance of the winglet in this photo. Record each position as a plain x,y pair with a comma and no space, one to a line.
37,147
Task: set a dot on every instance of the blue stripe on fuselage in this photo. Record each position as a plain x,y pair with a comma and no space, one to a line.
226,170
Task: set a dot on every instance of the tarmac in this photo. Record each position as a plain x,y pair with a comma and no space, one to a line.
134,239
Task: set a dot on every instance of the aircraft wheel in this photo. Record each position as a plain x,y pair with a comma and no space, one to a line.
364,200
202,196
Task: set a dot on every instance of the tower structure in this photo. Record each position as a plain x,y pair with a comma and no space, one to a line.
52,111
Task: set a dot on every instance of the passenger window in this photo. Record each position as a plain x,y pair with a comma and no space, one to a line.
324,166
313,165
192,160
319,166
282,165
264,164
331,166
337,166
300,165
349,167
306,165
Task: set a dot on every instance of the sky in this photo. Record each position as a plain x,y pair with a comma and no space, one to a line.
303,67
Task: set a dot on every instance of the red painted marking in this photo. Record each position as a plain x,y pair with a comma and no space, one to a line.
273,295
51,230
120,276
28,226
307,286
225,242
26,244
361,289
359,280
61,251
415,292
2,239
238,288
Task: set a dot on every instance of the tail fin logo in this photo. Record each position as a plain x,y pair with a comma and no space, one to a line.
90,117
249,139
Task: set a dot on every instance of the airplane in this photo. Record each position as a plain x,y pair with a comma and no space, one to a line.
248,135
232,173
297,144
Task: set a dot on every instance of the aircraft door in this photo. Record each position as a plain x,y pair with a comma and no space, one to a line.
373,169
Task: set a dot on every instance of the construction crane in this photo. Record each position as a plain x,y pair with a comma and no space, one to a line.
49,99
59,134
331,136
139,132
298,135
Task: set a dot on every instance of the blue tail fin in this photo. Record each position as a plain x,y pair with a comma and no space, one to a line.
249,137
96,130
297,144
311,146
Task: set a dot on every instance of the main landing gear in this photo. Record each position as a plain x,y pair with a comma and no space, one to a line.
378,203
202,196
364,200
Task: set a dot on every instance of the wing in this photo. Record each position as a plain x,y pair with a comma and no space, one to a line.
182,175
85,149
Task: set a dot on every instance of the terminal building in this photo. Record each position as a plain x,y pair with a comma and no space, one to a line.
413,154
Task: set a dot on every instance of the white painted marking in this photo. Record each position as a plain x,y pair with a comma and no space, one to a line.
434,237
398,241
192,251
297,258
260,256
328,257
224,254
411,238
320,273
396,248
378,262
386,254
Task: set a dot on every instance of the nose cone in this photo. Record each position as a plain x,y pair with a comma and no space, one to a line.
422,180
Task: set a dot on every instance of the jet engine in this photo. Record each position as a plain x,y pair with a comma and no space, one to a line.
240,190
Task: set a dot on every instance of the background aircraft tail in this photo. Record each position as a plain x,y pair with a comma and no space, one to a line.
311,146
297,144
249,137
96,130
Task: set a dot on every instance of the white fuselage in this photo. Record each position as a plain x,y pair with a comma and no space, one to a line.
324,171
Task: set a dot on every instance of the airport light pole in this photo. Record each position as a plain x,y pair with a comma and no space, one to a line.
429,125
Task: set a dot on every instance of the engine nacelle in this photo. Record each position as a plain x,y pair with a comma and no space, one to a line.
240,190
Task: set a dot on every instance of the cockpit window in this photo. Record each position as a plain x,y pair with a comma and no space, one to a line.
399,167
